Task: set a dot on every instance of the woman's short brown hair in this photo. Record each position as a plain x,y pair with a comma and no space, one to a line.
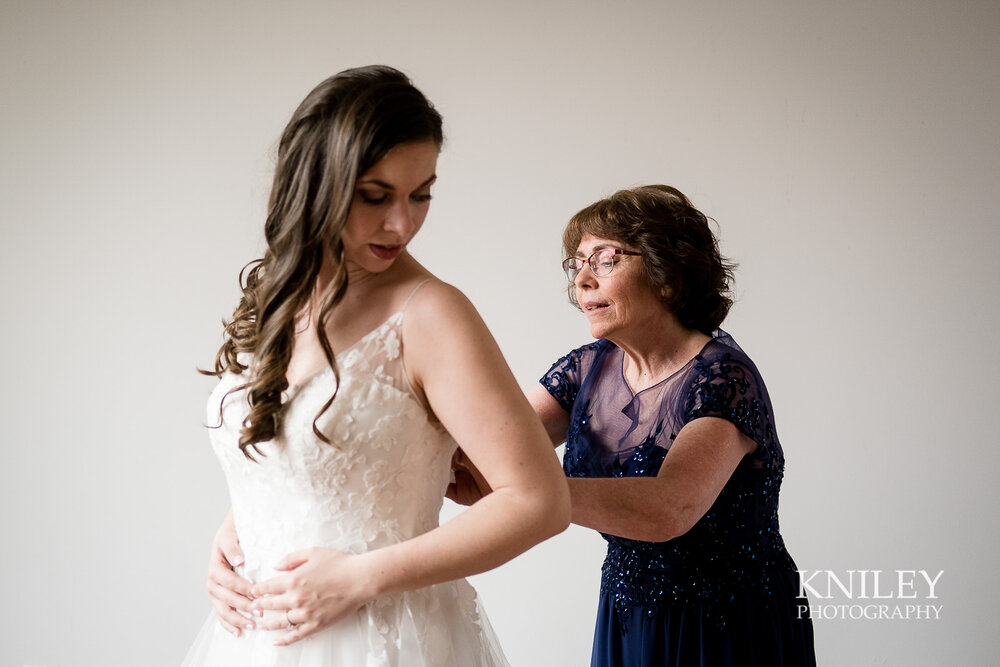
680,253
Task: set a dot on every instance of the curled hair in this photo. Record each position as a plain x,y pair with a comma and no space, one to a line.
680,254
343,127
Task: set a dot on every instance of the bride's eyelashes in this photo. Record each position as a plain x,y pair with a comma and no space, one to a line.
373,198
377,199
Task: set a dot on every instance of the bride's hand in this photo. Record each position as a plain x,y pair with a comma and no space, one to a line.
321,587
228,591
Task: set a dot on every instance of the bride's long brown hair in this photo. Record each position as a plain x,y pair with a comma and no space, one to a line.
342,128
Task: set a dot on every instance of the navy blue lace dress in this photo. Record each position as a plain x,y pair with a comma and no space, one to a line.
722,594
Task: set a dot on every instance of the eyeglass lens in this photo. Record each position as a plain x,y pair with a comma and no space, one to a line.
602,263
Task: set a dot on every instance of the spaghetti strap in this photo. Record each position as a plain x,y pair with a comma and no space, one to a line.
404,376
413,292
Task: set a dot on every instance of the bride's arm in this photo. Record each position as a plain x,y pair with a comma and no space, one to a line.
451,357
468,485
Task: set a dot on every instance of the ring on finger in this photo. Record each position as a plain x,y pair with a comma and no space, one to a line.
291,626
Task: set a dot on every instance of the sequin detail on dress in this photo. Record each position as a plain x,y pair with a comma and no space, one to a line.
733,562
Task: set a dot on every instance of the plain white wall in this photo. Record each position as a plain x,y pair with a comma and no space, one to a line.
849,152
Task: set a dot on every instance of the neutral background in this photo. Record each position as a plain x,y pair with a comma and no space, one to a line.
849,152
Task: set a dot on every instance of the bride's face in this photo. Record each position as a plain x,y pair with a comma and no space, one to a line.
390,203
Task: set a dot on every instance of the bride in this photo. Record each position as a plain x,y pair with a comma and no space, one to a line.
347,375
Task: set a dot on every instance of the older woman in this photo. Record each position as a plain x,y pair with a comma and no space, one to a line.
671,447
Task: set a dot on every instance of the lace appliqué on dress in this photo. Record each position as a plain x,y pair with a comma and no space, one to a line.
562,380
379,482
726,388
736,546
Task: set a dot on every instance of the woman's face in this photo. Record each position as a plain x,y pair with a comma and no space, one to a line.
390,203
620,304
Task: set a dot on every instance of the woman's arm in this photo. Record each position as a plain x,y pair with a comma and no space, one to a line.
654,509
469,485
554,418
699,463
451,357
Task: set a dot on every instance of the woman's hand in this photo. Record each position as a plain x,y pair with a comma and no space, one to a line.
469,485
321,587
228,591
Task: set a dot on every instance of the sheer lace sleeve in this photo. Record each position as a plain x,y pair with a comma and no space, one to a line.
565,376
728,386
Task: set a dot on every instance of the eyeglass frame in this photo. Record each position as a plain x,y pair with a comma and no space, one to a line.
590,260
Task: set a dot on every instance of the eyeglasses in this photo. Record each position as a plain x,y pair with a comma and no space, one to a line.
602,262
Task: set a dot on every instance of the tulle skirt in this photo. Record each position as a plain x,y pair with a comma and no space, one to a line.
438,626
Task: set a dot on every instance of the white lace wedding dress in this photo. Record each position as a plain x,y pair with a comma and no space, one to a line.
380,482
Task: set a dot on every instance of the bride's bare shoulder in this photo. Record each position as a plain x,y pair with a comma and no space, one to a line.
433,297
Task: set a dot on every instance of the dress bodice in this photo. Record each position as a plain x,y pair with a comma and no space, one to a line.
380,480
615,432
